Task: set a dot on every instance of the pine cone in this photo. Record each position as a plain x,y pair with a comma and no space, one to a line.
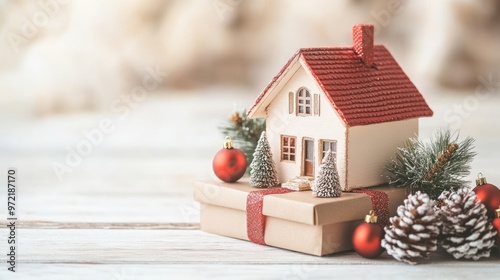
413,233
466,231
236,119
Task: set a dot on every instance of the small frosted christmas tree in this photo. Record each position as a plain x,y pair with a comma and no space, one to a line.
327,184
263,173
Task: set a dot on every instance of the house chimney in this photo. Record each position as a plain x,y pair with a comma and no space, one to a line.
362,37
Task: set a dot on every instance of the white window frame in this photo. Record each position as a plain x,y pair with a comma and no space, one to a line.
322,151
304,102
286,150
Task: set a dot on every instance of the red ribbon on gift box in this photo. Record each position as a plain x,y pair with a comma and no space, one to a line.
380,204
256,221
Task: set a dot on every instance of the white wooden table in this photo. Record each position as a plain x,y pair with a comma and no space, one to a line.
126,212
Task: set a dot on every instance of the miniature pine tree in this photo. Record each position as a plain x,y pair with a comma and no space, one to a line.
327,184
263,173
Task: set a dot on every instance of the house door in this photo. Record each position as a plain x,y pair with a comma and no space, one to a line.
308,158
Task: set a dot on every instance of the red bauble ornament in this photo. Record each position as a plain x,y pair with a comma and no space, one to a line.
229,163
496,225
488,194
367,237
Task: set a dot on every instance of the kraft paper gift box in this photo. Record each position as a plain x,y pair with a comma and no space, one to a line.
295,221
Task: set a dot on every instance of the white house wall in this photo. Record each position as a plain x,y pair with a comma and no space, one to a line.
327,125
371,146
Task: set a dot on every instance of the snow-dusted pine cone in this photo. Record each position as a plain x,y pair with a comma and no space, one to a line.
466,231
413,233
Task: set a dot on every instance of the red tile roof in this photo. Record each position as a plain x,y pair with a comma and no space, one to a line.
361,94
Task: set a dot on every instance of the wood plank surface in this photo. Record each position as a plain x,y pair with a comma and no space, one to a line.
159,246
151,254
126,211
249,271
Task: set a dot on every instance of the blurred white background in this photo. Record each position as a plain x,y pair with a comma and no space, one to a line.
163,75
70,55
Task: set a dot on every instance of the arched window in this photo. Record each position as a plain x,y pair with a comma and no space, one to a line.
304,101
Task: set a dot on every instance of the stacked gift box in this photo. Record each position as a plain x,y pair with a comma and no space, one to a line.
295,221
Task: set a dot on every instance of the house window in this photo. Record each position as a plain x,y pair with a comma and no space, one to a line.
288,148
327,145
304,101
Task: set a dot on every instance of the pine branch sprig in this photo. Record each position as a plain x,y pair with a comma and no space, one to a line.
245,133
435,167
443,159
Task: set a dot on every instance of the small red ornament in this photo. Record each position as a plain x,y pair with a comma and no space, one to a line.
229,163
488,194
367,237
496,225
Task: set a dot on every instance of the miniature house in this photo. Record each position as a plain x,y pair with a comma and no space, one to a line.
355,100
